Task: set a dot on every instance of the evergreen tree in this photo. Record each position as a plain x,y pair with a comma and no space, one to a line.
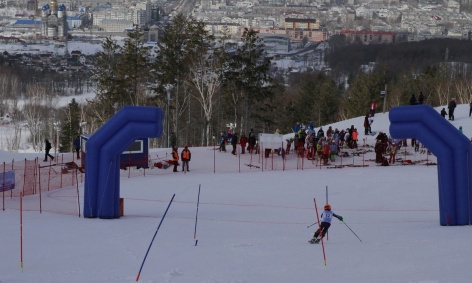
133,70
70,126
180,46
365,88
109,82
122,76
247,76
318,99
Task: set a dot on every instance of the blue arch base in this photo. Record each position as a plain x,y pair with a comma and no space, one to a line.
102,167
453,151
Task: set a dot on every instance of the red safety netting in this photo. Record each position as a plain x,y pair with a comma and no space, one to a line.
49,187
56,186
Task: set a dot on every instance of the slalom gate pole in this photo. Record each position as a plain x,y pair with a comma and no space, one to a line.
321,232
352,231
214,156
21,231
196,217
239,157
327,232
162,219
3,187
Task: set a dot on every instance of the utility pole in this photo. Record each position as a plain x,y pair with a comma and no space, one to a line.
385,98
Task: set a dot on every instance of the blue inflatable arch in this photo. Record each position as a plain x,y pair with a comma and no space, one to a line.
453,151
102,167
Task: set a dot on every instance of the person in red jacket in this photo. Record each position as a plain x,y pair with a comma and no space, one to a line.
355,136
373,107
325,153
243,142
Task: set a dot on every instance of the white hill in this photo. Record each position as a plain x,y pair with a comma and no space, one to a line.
252,226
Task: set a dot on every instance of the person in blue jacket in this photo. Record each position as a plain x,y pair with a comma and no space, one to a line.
326,217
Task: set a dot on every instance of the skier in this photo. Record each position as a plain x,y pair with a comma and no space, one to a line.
326,217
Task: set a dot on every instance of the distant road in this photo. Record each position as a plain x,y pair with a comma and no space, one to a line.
184,7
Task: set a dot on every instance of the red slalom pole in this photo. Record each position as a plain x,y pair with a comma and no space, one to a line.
321,232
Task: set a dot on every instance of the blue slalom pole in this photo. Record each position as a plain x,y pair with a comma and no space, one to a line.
196,217
162,219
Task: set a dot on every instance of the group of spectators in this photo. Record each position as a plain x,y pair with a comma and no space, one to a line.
311,143
246,143
185,155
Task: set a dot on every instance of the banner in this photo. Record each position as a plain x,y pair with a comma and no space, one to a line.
272,141
7,181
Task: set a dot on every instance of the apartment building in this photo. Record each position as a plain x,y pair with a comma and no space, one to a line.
374,37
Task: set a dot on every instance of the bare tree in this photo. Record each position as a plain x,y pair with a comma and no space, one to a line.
13,137
38,104
463,90
204,78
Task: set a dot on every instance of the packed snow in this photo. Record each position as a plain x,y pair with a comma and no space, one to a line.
252,224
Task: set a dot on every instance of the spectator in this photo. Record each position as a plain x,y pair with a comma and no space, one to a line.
222,142
186,155
371,120
373,108
413,100
296,128
175,158
243,142
234,143
354,138
289,145
451,107
229,136
393,153
366,125
421,98
443,113
47,148
77,146
378,152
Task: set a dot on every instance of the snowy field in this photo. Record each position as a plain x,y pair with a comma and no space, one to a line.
252,226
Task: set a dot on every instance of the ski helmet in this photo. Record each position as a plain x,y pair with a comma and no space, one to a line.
327,206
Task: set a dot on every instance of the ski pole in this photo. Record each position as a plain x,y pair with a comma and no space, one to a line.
352,231
311,225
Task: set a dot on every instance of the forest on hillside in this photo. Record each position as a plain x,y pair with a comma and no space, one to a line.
204,89
347,59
